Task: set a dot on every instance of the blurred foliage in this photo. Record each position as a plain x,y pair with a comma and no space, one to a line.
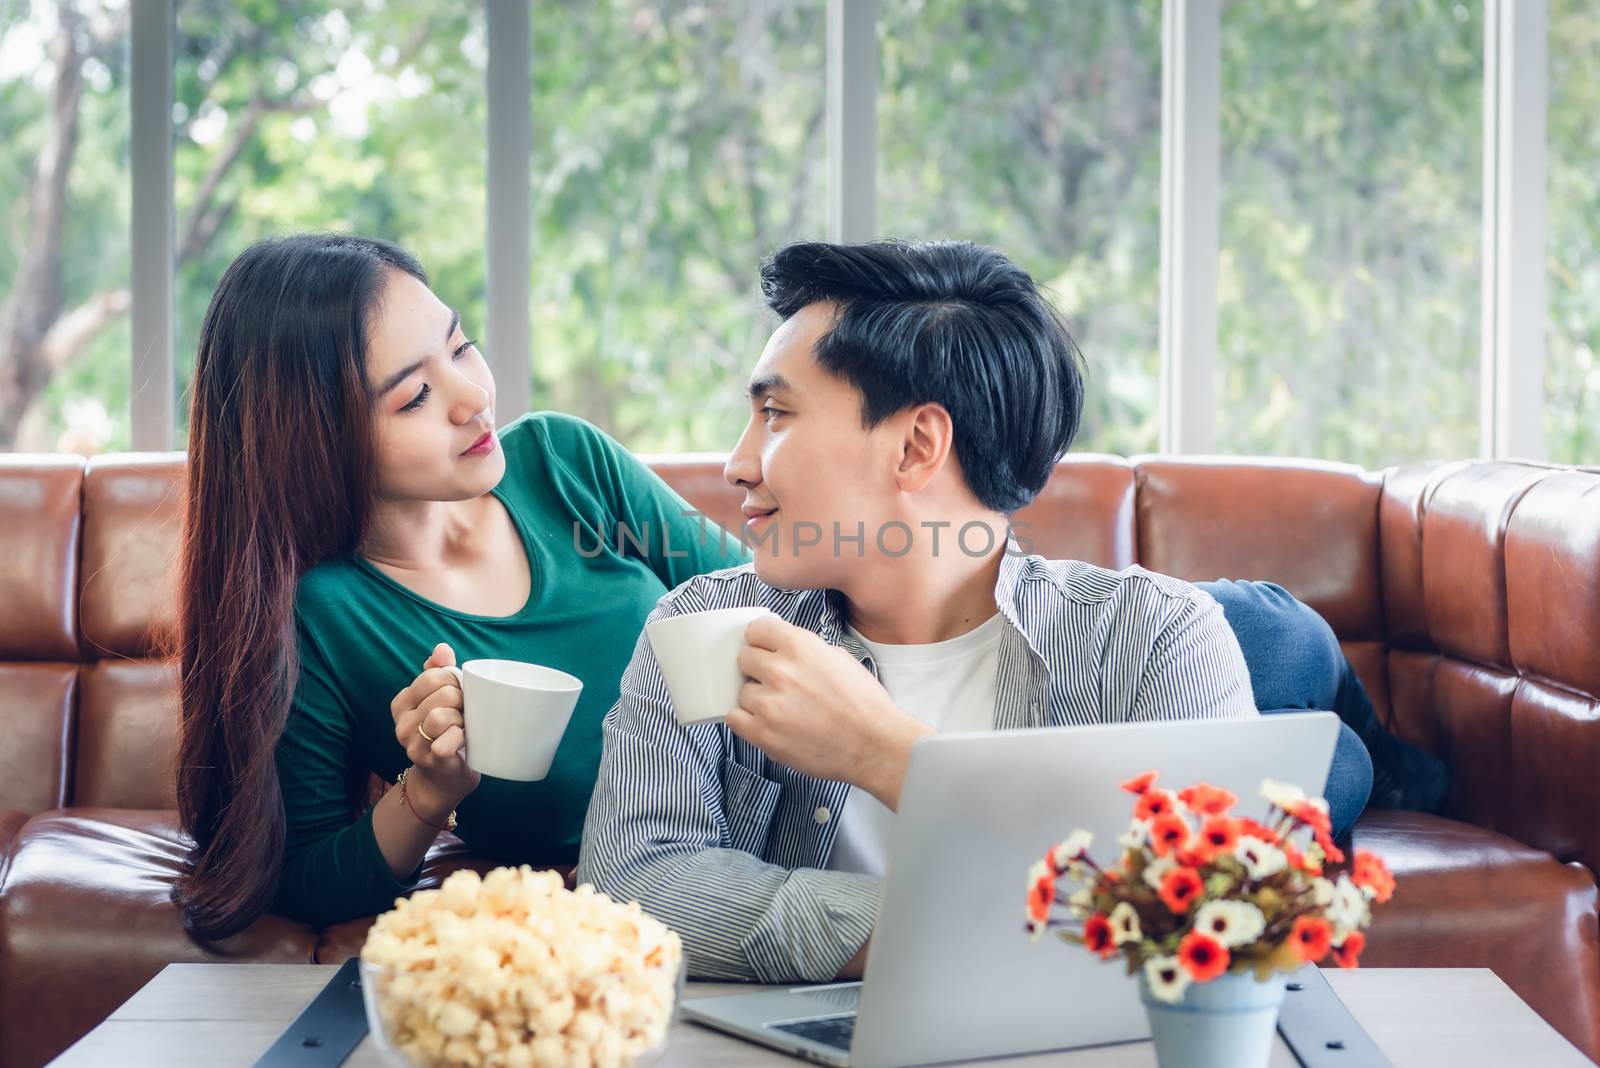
1572,274
678,141
1350,245
1036,128
675,144
90,398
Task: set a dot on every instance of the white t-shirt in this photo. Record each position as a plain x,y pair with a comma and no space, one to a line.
951,686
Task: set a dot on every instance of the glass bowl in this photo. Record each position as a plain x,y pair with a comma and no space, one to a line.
414,1015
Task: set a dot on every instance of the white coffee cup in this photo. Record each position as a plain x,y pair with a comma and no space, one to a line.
698,654
515,715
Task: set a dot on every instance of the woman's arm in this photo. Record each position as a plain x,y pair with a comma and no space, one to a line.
333,869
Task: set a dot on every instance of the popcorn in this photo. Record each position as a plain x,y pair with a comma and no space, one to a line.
511,970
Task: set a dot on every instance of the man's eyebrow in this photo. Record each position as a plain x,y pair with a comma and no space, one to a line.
766,384
405,372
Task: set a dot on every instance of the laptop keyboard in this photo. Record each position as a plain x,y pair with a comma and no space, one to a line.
835,1031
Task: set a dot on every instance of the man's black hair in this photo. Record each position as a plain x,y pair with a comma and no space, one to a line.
952,323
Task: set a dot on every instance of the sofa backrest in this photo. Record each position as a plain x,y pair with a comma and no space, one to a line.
1466,594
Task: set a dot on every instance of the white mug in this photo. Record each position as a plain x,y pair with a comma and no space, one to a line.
515,716
698,654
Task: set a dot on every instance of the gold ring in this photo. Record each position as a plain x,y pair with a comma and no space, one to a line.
425,734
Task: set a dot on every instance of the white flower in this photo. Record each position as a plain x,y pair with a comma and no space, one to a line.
1281,793
1321,892
1137,836
1167,979
1233,923
1349,906
1081,901
1071,849
1125,924
1260,859
1156,870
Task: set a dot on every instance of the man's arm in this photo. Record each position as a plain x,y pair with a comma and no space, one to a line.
676,824
1195,669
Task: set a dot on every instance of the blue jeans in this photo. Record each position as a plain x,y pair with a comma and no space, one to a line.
1296,664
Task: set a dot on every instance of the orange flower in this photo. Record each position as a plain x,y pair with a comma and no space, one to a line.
1333,853
1202,956
1180,888
1311,937
1139,783
1098,938
1349,954
1372,874
1316,817
1299,860
1245,825
1166,832
1311,814
1194,854
1041,895
1220,834
1153,803
1208,800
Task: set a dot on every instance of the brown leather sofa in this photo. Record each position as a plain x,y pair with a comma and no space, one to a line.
1467,595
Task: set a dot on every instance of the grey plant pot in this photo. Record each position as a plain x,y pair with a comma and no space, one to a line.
1226,1023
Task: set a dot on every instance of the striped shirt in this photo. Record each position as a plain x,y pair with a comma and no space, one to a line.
729,848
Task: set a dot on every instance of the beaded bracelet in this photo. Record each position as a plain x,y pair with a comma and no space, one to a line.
449,823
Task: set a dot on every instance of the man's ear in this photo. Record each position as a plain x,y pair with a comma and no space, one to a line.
925,446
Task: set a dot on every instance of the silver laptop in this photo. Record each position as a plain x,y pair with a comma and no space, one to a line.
952,974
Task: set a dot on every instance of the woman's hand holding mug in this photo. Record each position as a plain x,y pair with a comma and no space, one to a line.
433,702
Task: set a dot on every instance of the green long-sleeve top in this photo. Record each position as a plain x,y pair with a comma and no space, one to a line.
363,637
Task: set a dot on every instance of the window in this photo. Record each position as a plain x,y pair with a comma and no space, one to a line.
674,145
1572,350
677,142
327,116
1036,128
64,340
1350,229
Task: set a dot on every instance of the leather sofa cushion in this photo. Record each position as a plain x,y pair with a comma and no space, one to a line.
127,735
1466,897
1464,564
1552,583
132,524
1312,532
36,713
11,821
40,498
86,920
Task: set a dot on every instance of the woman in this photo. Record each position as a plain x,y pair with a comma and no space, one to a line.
353,517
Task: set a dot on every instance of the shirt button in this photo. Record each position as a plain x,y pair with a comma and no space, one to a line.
822,815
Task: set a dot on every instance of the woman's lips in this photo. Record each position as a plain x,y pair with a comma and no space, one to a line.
483,446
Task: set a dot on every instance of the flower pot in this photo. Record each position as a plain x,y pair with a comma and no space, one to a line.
1226,1023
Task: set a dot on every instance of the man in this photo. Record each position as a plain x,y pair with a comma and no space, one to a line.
913,398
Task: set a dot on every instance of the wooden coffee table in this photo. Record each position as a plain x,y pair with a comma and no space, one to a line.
218,1015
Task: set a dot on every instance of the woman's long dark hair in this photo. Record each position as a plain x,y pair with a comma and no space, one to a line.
280,477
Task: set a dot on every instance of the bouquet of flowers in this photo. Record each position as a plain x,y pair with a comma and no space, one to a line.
1198,892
